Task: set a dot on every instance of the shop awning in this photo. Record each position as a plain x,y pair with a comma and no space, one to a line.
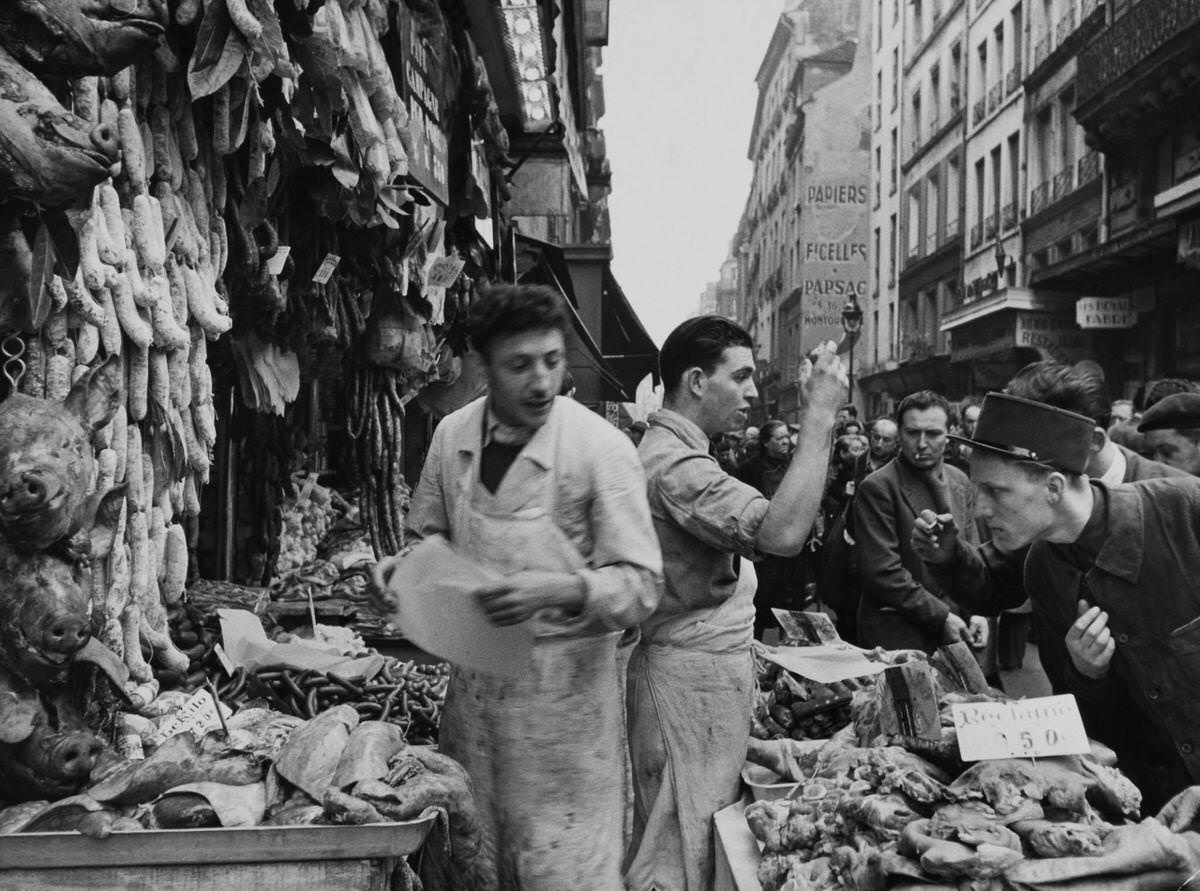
621,352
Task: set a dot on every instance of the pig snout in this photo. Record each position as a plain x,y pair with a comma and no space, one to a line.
29,492
65,634
104,138
75,755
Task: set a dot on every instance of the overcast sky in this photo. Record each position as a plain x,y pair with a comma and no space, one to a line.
680,95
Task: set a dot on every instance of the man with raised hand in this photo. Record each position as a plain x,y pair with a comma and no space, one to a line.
691,679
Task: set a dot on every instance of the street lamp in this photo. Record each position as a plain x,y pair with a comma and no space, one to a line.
1001,262
852,318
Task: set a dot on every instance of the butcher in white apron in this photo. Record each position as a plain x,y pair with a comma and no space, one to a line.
691,678
564,518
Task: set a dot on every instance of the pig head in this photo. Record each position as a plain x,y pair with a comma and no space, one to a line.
76,37
47,461
46,749
47,154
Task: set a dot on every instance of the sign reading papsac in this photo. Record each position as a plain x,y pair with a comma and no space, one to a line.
1030,728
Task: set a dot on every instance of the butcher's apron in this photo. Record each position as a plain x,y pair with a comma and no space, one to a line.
544,751
690,700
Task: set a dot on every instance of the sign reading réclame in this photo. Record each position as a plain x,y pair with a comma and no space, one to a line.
1029,728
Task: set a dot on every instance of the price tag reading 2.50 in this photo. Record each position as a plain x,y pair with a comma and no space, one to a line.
1030,728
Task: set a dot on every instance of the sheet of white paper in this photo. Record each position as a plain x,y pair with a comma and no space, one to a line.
824,664
246,643
438,611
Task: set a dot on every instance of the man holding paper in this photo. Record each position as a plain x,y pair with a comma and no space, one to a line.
540,490
691,680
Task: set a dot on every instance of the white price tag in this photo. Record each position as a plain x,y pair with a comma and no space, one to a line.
223,658
275,264
325,271
198,715
1030,728
442,272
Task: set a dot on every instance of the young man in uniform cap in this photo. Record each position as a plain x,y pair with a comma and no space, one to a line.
1172,428
691,679
1111,569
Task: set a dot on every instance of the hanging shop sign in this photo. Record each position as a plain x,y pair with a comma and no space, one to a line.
1106,312
425,90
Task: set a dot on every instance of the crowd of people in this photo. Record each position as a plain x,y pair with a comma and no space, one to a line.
645,572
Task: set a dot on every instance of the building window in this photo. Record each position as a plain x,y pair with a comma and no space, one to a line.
912,223
895,77
877,258
878,175
878,334
935,97
917,25
894,161
893,249
878,99
879,26
980,198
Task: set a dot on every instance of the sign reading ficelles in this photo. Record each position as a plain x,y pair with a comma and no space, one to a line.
1106,312
1030,728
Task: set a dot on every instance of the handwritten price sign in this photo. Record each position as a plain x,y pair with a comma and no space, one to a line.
1031,728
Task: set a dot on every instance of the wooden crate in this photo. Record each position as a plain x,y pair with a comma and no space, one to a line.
260,858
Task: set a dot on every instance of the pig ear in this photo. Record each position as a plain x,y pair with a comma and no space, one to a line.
95,397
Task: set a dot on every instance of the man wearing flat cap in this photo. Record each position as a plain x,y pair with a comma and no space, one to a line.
1111,568
1172,428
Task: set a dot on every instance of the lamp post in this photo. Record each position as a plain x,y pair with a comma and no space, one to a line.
1001,262
852,317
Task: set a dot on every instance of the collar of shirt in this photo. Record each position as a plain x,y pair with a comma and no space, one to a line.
495,430
676,423
1116,471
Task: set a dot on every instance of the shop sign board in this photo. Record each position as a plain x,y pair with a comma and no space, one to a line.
1029,728
1055,336
1106,312
424,89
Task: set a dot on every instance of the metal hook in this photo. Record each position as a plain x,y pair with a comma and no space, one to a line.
13,348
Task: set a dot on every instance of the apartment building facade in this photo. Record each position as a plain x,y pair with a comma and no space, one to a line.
776,246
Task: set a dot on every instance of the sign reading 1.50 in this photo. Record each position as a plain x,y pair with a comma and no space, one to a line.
1031,728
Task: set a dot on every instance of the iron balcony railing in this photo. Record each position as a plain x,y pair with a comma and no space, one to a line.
955,98
1066,25
1064,183
1041,51
914,250
989,227
976,236
1008,216
951,229
979,112
931,240
1012,80
1088,167
994,95
1136,36
1039,197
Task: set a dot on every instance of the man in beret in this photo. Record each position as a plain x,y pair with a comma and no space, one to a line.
1172,428
1111,570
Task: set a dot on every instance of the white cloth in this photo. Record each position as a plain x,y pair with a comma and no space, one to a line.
690,700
